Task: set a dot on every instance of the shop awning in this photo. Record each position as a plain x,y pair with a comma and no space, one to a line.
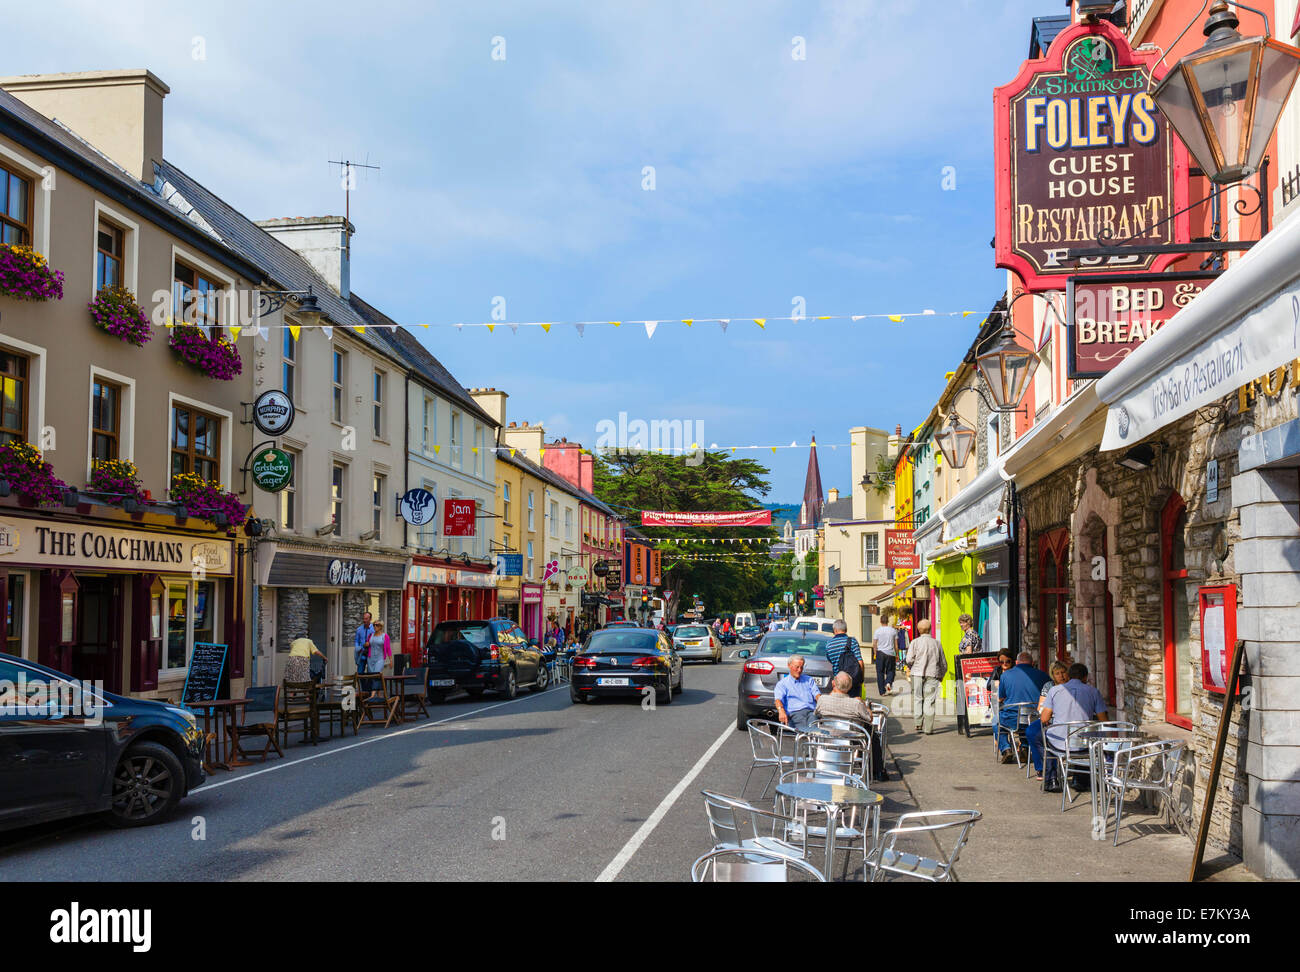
929,536
1243,325
906,584
975,505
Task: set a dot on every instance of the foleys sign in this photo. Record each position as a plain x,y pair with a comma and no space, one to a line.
1084,159
345,572
458,517
1111,316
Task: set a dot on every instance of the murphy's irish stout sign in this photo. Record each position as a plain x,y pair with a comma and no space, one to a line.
1085,159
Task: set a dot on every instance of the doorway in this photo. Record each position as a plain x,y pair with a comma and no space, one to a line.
320,614
97,654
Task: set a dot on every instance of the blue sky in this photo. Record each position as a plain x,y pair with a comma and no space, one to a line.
521,178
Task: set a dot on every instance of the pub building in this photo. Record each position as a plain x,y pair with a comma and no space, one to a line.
120,598
446,589
322,591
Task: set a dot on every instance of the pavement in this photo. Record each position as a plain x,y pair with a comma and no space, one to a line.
538,788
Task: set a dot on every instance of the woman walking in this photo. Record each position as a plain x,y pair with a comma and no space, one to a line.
381,650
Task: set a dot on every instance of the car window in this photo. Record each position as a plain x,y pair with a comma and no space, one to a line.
806,626
691,631
624,641
476,633
794,646
829,627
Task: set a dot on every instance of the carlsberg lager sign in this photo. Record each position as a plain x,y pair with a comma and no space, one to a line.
272,470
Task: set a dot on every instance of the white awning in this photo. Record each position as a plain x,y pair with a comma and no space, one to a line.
977,503
1243,325
927,538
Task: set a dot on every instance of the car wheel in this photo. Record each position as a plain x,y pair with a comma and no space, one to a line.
543,679
667,697
474,693
147,784
509,685
741,720
575,696
681,681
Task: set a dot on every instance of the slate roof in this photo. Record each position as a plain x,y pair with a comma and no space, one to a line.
840,509
556,480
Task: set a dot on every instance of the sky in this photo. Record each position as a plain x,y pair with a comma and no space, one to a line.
800,152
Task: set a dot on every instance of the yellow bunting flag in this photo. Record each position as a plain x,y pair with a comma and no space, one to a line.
967,313
546,328
359,328
541,454
773,450
437,449
688,322
295,330
512,453
474,449
824,318
896,318
761,322
491,328
234,333
617,323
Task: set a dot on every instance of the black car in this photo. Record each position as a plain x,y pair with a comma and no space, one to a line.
625,661
478,655
64,753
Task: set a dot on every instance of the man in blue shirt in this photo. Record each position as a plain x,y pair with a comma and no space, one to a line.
835,648
361,647
1075,701
796,696
1023,683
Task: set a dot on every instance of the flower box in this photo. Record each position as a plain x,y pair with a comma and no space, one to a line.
115,311
206,499
29,476
24,275
213,356
117,482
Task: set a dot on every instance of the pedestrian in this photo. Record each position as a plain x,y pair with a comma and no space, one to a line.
381,650
1019,684
886,642
796,696
928,666
297,668
970,640
845,656
361,649
901,640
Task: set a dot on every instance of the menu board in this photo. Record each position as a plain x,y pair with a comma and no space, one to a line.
973,671
203,681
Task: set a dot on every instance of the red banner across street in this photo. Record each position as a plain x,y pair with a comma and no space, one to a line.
740,518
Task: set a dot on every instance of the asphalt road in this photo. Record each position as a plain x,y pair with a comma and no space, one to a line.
531,789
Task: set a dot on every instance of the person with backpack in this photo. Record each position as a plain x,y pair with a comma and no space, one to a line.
845,656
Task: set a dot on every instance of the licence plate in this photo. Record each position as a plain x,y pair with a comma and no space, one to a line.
823,682
611,681
692,644
437,682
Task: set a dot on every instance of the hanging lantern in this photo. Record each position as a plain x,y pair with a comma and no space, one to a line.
1007,369
1224,99
955,441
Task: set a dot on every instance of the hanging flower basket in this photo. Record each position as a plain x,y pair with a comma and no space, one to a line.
117,482
207,499
25,275
29,476
115,311
215,357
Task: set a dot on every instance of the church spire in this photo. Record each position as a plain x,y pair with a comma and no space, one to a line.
810,513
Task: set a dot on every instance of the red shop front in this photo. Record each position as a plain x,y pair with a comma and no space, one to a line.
436,592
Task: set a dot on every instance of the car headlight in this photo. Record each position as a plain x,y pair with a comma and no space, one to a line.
185,714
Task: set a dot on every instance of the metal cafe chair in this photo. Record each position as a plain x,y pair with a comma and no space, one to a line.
848,750
888,858
753,864
734,823
1072,759
766,743
1152,767
1026,713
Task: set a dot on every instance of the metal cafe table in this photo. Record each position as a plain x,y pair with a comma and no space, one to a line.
835,797
1098,740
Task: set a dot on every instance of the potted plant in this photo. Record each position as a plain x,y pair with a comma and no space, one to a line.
202,498
214,356
116,480
115,311
25,275
28,475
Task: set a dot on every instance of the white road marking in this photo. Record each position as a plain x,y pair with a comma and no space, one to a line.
366,742
620,860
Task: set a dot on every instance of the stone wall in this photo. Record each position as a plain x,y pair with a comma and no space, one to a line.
291,616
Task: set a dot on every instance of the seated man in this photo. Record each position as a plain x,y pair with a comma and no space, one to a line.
796,696
1021,683
841,705
1075,701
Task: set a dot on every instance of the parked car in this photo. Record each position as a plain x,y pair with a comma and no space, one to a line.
770,662
621,624
697,642
483,654
808,622
132,759
625,662
748,633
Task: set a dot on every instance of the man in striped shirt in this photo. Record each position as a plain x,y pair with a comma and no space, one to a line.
835,648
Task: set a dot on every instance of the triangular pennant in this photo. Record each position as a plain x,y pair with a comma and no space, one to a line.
773,450
328,332
474,449
234,333
461,328
688,321
761,322
967,313
264,333
724,322
491,328
826,318
514,328
580,328
857,317
733,450
512,453
437,449
617,323
927,313
546,328
650,328
896,318
541,454
359,328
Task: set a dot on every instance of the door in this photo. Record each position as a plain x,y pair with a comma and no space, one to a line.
319,612
97,654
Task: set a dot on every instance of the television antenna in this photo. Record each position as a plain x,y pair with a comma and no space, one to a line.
349,182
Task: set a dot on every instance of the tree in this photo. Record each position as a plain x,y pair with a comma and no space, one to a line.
726,576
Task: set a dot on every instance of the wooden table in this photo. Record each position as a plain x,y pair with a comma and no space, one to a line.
399,681
226,710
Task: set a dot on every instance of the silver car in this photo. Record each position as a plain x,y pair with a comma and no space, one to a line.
697,642
770,662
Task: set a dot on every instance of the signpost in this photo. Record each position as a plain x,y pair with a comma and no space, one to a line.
418,506
273,412
458,517
272,470
900,550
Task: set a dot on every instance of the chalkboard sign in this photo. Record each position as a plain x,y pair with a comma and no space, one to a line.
207,665
974,710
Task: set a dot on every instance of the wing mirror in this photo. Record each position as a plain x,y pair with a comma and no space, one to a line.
743,653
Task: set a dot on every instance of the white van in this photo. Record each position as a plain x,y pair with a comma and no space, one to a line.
743,620
810,623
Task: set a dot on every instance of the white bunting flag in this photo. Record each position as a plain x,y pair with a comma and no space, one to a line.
328,332
650,327
581,328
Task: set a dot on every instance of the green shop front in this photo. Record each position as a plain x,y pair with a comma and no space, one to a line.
949,573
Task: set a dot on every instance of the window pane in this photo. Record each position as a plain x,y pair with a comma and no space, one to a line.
177,619
180,429
205,611
18,190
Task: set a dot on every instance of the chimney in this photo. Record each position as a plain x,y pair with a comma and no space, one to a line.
586,465
491,401
833,494
320,240
120,113
529,438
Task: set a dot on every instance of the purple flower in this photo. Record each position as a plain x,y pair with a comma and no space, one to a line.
215,357
29,476
115,310
25,275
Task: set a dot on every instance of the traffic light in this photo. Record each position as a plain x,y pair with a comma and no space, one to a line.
645,597
803,598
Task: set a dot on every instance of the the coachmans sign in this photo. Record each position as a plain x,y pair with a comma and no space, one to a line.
56,544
